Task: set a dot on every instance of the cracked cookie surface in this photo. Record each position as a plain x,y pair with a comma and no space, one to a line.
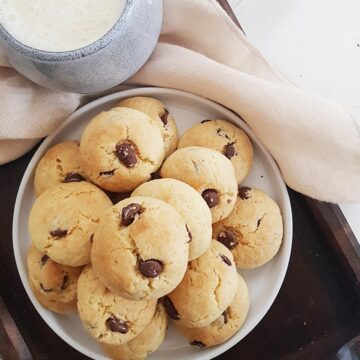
61,163
120,149
63,219
224,137
190,205
207,289
209,173
54,285
226,325
161,117
148,341
140,248
254,229
109,318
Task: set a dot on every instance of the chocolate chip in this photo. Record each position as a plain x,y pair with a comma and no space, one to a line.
189,233
204,121
150,268
198,344
107,173
58,233
228,239
44,259
226,260
156,175
244,192
164,116
224,314
229,150
126,153
258,223
129,212
73,177
44,289
92,238
64,283
117,325
211,197
170,308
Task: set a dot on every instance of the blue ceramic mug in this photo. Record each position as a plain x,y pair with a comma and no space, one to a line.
107,62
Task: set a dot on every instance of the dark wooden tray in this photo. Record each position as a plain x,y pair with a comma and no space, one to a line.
317,310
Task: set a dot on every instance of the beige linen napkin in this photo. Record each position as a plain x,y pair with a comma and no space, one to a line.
315,141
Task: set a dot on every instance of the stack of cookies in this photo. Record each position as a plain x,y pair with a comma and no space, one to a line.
134,226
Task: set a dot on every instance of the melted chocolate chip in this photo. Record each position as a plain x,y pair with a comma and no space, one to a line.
244,192
150,268
107,173
224,314
189,233
226,260
73,177
129,212
229,150
258,223
58,233
170,308
64,283
117,325
126,153
44,259
92,238
204,121
228,239
211,197
198,344
164,116
44,289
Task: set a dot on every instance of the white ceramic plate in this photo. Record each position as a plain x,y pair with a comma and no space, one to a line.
264,283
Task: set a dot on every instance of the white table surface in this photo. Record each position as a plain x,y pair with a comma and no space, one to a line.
316,44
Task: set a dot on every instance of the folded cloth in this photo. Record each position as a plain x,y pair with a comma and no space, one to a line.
314,140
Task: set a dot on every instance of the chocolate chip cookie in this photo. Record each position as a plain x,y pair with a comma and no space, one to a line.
253,231
54,285
226,325
208,172
225,137
190,205
141,248
63,220
60,164
109,318
207,289
160,116
120,149
148,341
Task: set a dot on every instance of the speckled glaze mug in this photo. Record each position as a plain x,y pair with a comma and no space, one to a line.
107,62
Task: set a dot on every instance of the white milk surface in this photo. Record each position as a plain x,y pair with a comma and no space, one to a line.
59,25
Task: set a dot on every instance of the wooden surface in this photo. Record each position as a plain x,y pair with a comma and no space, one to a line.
316,312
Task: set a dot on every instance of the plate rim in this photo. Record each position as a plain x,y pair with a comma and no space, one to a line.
154,91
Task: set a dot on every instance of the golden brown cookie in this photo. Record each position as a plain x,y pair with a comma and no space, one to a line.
207,289
209,173
224,137
140,248
63,220
253,231
120,149
226,325
60,164
148,341
54,285
109,318
160,116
